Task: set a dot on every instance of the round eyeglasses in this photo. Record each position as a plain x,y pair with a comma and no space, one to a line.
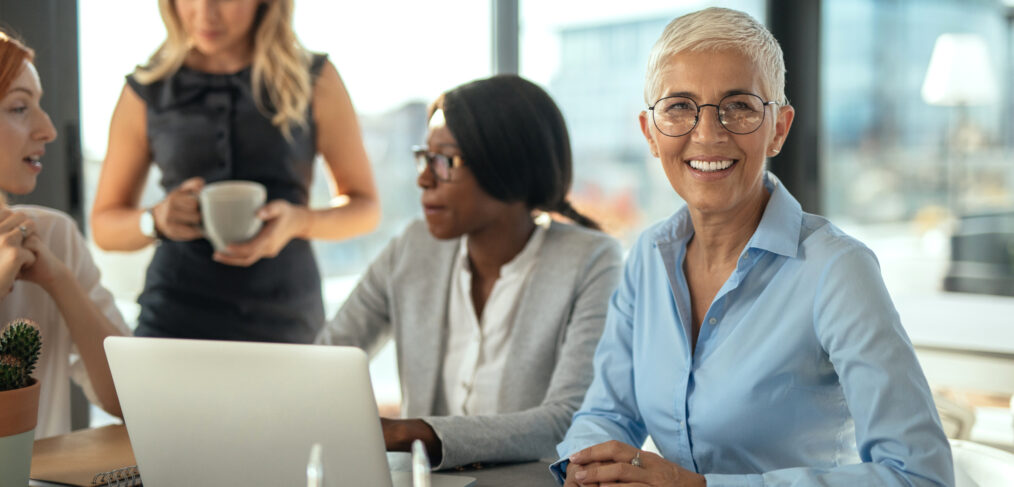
439,164
741,113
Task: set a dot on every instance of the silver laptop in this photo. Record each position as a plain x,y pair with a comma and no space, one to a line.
213,413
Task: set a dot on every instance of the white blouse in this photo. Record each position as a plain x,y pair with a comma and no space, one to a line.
477,346
59,361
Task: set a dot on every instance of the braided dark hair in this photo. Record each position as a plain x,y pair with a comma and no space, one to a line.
565,209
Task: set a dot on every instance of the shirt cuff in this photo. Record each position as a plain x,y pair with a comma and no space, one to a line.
443,446
559,469
730,480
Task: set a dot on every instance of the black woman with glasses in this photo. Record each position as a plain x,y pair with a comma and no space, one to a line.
495,309
756,344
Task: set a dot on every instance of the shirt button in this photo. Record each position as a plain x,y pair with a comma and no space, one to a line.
712,321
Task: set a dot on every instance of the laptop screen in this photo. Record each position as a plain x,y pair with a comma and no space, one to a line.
202,412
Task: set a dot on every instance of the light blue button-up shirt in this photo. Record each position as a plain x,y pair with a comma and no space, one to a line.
802,373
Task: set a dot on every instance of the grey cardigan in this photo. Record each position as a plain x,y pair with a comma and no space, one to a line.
562,311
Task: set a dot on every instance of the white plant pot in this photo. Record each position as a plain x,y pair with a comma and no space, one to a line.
16,458
19,413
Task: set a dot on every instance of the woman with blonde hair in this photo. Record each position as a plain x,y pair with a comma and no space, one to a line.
46,272
232,95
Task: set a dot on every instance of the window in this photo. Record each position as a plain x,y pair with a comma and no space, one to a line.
910,157
393,67
917,161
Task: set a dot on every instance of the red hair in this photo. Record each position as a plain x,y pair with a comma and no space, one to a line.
13,54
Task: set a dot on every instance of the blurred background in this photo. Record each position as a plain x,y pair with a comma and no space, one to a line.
904,137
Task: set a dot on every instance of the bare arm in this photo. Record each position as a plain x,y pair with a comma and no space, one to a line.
340,141
115,215
87,325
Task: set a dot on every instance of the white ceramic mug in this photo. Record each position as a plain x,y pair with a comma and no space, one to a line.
229,211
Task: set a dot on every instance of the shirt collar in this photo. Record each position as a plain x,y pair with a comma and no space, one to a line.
779,228
521,262
778,231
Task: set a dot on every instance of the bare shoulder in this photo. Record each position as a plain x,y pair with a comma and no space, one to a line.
328,85
130,99
129,114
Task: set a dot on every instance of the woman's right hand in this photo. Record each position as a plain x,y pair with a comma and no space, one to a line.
573,468
613,463
178,216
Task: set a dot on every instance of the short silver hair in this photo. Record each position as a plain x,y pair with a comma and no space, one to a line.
715,29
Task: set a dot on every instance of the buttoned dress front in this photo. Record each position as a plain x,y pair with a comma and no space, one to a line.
208,125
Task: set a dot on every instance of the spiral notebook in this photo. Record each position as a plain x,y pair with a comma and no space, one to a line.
91,457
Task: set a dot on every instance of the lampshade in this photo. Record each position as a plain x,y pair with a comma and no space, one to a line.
960,72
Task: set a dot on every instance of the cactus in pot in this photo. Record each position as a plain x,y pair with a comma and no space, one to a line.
20,344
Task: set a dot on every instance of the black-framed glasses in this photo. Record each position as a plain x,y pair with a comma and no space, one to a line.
439,164
740,113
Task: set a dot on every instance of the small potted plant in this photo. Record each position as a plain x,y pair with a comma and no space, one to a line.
20,344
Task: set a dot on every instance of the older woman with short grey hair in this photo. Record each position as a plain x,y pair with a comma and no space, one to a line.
755,343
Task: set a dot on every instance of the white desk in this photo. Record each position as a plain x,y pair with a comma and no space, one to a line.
963,340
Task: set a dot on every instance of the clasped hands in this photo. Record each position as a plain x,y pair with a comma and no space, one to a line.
612,464
178,218
23,255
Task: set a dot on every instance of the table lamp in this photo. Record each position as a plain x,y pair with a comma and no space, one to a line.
960,72
960,75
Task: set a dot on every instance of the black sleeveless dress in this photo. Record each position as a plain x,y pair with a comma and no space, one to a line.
208,125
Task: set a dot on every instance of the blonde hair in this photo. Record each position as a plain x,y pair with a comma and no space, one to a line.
715,29
280,67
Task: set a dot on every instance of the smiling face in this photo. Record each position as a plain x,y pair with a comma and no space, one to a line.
218,27
25,129
712,169
459,206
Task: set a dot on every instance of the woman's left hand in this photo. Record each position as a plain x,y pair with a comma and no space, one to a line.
283,221
47,269
616,469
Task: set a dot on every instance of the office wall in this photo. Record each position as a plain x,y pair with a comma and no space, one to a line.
50,27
